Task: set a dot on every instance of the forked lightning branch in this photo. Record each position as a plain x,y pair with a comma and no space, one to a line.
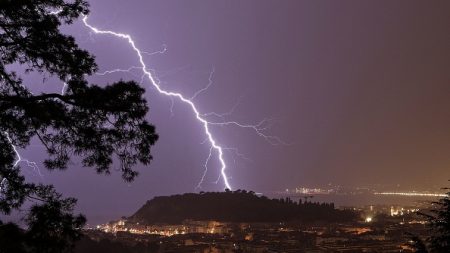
206,124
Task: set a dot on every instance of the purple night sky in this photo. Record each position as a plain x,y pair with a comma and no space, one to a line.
359,89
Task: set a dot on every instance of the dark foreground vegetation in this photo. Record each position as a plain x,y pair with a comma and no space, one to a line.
439,227
98,124
235,206
87,245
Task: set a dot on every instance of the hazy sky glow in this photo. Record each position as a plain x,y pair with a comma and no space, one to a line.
360,89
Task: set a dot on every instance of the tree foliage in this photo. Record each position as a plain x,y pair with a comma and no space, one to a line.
439,227
100,124
235,206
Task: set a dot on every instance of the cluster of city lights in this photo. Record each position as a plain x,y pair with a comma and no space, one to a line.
209,227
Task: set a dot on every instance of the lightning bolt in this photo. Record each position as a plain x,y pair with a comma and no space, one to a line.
199,185
162,51
201,118
128,70
19,159
210,82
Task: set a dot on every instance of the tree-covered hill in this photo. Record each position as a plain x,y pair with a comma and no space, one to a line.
234,206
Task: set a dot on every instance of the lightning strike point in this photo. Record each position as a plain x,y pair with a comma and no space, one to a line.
154,83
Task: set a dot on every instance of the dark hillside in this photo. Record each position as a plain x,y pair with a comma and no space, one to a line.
237,206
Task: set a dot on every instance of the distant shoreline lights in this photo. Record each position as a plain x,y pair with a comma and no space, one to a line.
412,194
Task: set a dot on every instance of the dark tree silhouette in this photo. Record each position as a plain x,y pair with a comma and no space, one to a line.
98,124
235,206
11,238
439,226
417,244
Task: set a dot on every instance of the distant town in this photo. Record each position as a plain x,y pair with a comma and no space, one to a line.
360,190
373,228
